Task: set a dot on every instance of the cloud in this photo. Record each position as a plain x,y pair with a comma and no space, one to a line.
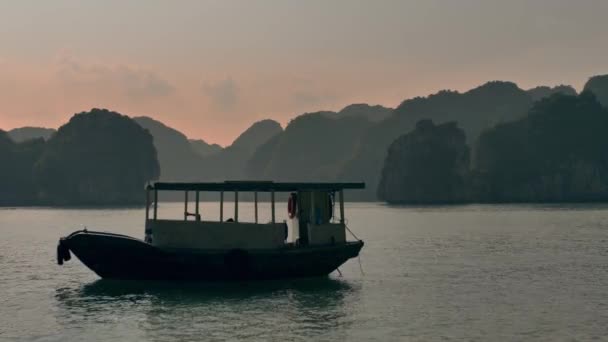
224,94
134,83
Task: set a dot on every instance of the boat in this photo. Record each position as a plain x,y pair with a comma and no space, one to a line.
225,248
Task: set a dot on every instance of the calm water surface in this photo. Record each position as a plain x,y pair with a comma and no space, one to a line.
429,273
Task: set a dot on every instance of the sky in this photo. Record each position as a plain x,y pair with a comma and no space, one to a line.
212,68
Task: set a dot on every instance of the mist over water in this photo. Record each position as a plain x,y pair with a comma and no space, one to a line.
505,272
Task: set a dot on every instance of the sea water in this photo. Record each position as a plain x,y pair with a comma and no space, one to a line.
474,272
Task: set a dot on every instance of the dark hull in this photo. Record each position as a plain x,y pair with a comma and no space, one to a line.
122,257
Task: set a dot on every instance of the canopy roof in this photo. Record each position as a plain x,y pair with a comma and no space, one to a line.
262,186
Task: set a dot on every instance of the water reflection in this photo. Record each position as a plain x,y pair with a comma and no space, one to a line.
253,310
460,207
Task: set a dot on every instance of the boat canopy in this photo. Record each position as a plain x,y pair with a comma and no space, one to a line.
241,186
254,186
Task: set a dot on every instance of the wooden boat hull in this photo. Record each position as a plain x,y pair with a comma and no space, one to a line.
117,256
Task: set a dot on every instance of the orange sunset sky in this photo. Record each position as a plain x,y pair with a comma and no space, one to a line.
212,68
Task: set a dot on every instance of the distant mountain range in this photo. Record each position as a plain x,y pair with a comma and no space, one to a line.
203,148
538,93
348,145
178,159
27,133
474,110
313,147
99,157
195,160
230,163
375,113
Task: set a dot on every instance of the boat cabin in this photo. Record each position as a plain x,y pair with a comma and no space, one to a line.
311,209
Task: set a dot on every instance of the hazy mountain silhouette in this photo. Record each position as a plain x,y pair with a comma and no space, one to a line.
375,113
203,148
556,153
256,135
26,133
542,92
98,157
598,85
474,110
178,159
349,145
16,178
428,165
195,160
6,143
230,163
313,147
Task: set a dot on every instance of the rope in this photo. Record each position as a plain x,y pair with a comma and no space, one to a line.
360,267
351,232
355,236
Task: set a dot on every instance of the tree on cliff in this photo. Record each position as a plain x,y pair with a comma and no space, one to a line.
540,92
598,85
557,153
428,165
98,157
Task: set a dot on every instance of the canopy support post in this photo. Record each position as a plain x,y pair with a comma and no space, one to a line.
312,208
272,205
236,206
255,205
155,204
197,215
186,206
221,206
147,204
341,206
